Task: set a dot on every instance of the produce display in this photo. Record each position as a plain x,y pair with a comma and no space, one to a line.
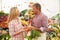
28,15
54,33
3,20
25,16
34,34
4,35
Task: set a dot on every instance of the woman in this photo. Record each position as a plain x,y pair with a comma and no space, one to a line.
15,27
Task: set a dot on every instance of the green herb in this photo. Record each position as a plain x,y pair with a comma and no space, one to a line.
34,34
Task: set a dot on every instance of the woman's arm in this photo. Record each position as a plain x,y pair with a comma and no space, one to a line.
21,30
12,30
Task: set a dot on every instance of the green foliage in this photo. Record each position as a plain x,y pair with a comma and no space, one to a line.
56,16
23,12
55,25
54,38
34,34
55,28
29,37
52,34
3,14
5,37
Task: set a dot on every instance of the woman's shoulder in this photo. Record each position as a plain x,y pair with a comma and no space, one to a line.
12,22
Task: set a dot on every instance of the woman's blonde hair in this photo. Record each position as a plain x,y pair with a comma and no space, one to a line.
13,14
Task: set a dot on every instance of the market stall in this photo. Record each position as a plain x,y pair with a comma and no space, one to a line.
26,16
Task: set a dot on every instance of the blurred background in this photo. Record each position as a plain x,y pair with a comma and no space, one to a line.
51,8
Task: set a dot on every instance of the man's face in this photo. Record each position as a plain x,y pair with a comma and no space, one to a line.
34,9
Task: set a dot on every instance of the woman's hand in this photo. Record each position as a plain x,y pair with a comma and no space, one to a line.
27,28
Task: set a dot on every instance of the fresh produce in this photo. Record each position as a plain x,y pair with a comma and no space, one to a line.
26,17
31,14
3,19
3,14
54,34
23,12
4,35
55,38
54,31
33,34
54,27
51,34
24,22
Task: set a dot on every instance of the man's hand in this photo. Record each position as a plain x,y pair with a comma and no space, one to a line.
38,29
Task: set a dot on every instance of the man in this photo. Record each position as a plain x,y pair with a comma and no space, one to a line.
39,21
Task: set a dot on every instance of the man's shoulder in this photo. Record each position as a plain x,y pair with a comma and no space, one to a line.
43,15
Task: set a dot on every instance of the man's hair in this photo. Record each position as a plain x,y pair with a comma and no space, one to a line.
38,6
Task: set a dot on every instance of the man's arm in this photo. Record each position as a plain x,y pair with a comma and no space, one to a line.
45,23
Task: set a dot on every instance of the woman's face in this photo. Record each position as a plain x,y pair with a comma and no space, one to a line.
18,13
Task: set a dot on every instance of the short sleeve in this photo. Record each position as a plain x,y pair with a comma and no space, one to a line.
11,28
45,23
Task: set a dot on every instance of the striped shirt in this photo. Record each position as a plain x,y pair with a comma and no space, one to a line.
40,20
15,26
